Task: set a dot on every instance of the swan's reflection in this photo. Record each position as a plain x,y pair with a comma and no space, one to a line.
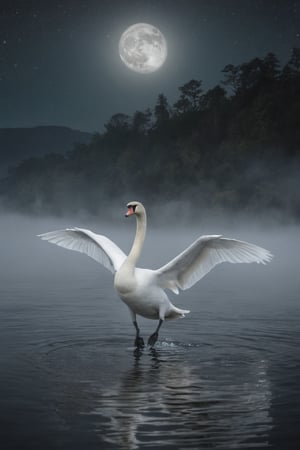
161,401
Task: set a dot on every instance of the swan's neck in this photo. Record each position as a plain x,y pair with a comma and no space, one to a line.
141,225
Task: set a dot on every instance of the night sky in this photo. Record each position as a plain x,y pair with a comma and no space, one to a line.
60,65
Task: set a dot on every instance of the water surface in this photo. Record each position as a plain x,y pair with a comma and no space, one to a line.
226,376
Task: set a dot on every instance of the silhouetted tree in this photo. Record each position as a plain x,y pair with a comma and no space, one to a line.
295,59
249,76
215,104
232,77
141,121
161,110
270,68
213,98
190,97
118,122
182,106
118,130
292,68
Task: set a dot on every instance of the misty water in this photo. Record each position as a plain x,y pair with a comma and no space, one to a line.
226,376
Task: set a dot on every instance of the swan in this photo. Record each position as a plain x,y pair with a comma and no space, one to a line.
143,290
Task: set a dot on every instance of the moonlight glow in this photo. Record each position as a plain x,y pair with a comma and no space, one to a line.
143,48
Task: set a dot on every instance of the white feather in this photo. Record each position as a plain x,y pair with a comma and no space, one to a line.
203,255
98,247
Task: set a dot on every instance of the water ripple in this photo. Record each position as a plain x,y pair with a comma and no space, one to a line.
176,395
216,387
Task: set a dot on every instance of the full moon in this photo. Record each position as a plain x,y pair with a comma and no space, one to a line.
143,48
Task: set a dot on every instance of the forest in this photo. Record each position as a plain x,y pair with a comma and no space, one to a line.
234,147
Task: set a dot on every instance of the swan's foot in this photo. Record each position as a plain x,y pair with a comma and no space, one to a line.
152,339
139,342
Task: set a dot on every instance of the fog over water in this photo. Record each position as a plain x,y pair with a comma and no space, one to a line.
226,376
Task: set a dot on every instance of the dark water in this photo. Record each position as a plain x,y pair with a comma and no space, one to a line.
227,376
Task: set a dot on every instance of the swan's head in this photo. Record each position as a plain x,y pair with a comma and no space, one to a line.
135,208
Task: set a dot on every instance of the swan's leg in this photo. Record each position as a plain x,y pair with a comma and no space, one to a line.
153,338
139,341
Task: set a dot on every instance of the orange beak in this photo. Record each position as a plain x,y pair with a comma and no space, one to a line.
129,212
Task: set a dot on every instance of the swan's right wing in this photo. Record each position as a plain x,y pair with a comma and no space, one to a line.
98,247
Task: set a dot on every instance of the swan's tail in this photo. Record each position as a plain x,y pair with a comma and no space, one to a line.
176,313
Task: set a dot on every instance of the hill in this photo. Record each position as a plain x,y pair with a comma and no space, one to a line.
17,144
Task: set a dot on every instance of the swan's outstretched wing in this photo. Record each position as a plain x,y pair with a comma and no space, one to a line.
204,254
98,247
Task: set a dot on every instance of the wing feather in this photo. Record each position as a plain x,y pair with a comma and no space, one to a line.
203,255
98,247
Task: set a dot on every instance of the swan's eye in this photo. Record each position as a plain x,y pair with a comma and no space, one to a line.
132,206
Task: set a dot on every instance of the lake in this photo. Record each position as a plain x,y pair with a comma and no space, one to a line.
226,376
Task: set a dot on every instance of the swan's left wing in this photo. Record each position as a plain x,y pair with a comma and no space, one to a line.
98,247
203,255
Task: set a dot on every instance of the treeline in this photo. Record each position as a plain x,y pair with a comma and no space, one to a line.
235,146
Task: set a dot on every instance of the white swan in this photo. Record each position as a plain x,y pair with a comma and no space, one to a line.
142,289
